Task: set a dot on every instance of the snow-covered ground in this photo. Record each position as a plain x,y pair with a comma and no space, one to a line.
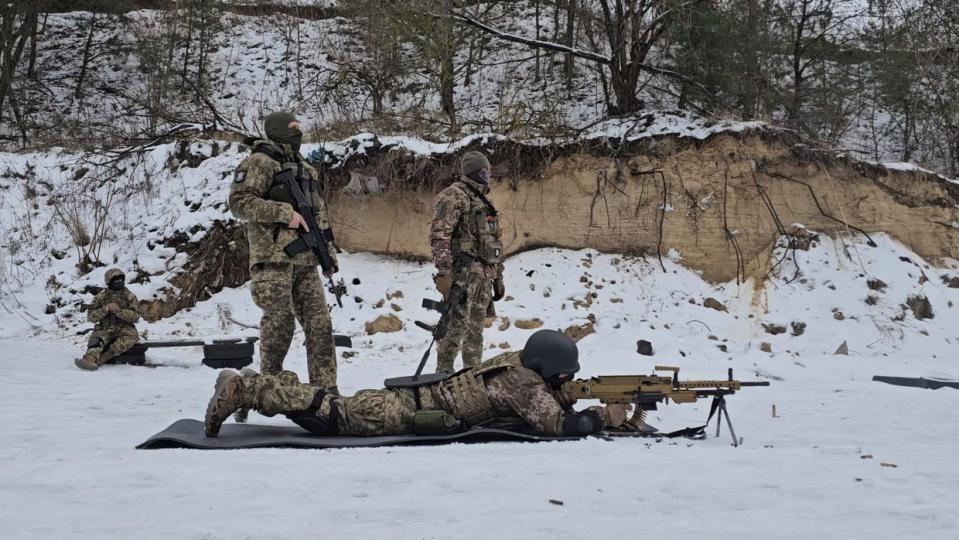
68,467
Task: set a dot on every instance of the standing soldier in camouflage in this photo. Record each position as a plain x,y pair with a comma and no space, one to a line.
467,250
286,288
519,391
114,312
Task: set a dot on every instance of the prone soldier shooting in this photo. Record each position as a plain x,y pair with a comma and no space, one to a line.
532,391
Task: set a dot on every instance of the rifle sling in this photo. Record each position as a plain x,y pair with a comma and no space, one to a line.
482,197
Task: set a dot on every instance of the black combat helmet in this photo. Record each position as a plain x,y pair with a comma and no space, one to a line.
114,279
551,354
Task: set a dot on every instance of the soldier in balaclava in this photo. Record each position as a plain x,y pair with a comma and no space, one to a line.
467,250
287,288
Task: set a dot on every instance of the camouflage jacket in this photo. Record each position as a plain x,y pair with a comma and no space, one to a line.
124,316
518,395
465,233
267,231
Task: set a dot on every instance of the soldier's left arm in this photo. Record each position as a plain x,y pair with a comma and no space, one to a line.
321,212
130,311
448,205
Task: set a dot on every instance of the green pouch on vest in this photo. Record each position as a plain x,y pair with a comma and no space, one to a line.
435,423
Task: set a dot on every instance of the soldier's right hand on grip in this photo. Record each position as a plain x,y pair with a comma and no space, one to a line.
616,414
444,282
297,221
582,423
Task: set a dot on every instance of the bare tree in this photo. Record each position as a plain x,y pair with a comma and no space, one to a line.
376,62
814,29
18,22
427,25
630,30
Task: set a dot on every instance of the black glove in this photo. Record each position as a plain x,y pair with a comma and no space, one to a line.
582,423
499,290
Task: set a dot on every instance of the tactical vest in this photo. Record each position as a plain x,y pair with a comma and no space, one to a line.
468,398
480,241
279,191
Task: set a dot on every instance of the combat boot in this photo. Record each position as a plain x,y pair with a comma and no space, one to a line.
86,364
228,396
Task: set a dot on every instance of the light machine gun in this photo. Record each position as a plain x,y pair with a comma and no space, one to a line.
647,391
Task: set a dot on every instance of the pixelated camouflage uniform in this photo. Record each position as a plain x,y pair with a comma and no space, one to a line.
498,393
114,332
466,242
287,289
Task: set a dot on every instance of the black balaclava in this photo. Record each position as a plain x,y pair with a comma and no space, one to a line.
116,283
278,130
473,166
481,176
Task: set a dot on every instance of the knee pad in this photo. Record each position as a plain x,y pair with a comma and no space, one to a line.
95,341
314,423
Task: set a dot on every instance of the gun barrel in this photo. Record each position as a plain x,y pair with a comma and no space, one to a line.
754,383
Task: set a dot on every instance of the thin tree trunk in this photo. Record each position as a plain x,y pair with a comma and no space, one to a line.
570,42
536,8
86,57
12,43
798,76
189,38
18,118
447,93
32,59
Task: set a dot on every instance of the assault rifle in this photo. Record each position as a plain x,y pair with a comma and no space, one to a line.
457,296
647,391
316,239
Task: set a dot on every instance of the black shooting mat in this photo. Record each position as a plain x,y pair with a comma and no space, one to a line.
187,433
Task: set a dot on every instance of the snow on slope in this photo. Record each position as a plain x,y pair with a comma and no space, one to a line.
69,469
171,190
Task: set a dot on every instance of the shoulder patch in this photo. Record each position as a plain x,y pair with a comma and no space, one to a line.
239,177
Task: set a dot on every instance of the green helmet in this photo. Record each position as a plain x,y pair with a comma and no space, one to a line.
550,353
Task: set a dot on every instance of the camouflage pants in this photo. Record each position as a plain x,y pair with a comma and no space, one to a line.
286,294
466,325
369,412
108,343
